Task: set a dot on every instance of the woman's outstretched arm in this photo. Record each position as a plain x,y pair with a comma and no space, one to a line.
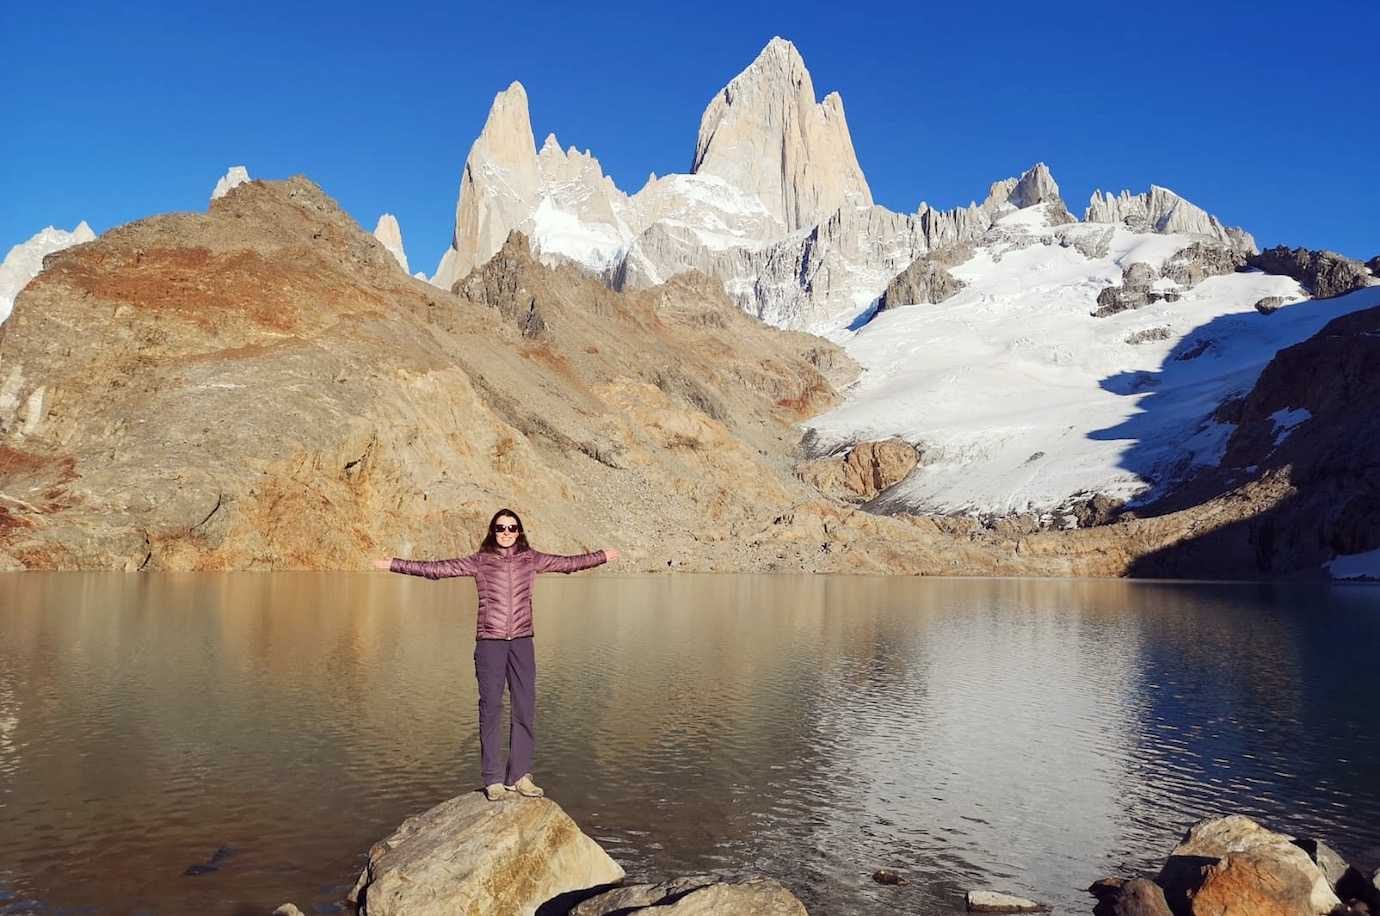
551,562
431,569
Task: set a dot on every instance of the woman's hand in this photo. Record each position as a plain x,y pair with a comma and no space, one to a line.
610,553
383,564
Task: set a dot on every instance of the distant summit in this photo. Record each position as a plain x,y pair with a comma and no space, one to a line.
235,176
25,260
765,134
775,206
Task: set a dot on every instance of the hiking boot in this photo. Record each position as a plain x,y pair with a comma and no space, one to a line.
495,792
525,786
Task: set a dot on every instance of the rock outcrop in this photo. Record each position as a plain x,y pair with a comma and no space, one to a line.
24,261
699,895
997,902
1136,290
1200,260
1161,210
233,178
867,469
765,134
1137,897
1325,273
1234,858
1373,265
390,234
1035,186
1268,305
471,855
927,279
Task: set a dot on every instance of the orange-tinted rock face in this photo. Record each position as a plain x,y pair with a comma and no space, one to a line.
1252,884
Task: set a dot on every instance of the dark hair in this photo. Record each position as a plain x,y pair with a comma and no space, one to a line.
490,544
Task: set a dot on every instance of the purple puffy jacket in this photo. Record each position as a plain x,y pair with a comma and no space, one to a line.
504,579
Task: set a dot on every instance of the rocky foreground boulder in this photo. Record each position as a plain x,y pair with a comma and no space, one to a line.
700,895
471,855
522,856
1234,858
1233,866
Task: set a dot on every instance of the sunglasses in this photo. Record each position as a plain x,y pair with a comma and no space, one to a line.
505,529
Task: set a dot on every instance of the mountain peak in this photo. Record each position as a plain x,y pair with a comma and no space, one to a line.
498,187
1162,210
766,134
390,234
236,175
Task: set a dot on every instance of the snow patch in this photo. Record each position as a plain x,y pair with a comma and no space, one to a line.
1355,565
1286,420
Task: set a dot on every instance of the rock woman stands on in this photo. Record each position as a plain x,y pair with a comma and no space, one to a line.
503,570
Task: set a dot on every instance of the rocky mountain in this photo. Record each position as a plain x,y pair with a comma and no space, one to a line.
765,134
1161,210
776,206
23,262
235,176
390,234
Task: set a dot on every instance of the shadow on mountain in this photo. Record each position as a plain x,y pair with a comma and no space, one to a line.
1298,481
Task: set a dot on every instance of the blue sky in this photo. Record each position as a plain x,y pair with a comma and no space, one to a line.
1264,113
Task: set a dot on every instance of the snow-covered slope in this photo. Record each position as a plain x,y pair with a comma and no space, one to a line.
1020,399
25,260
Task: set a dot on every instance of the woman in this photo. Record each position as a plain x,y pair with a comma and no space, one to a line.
503,571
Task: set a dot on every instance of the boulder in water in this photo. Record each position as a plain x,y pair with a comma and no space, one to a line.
994,902
1137,897
471,855
1261,856
700,895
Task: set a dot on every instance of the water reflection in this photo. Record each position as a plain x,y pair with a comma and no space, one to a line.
1027,734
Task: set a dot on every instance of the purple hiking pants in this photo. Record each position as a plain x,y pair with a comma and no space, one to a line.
494,661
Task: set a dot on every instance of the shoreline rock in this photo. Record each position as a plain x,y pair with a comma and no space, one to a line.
469,854
527,857
995,902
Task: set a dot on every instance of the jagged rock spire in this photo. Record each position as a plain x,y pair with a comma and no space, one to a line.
498,188
234,176
390,234
1161,210
765,134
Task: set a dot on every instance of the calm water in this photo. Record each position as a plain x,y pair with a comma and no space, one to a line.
1024,735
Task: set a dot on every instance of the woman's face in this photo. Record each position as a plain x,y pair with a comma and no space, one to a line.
506,530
